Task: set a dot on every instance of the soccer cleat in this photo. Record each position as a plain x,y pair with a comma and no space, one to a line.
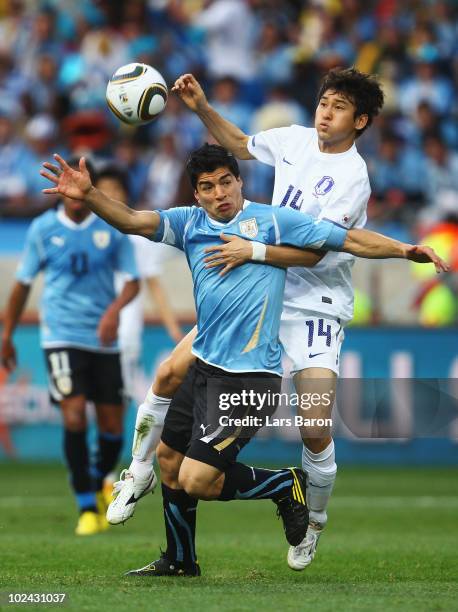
107,489
127,491
90,523
302,555
102,509
165,567
293,508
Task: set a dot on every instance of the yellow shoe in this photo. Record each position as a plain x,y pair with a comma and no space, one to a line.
89,523
102,510
107,489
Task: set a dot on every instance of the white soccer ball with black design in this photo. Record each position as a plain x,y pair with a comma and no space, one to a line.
136,93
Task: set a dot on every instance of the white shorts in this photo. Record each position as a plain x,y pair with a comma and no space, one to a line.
312,342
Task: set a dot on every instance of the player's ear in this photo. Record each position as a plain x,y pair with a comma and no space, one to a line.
361,122
196,195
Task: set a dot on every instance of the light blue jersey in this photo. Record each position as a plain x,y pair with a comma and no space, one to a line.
238,315
78,261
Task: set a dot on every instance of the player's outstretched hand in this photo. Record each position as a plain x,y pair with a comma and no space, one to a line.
234,252
68,182
8,355
188,88
425,254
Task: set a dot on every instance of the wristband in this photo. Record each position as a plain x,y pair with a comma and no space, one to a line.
259,251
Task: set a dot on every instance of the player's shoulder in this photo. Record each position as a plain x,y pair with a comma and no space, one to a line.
260,209
44,221
358,161
300,134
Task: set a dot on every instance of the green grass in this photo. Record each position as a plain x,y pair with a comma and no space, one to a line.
391,544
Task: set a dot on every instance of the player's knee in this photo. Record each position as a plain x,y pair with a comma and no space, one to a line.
111,424
194,485
316,440
74,420
169,462
165,383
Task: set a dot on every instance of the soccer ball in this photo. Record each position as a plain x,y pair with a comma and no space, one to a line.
136,93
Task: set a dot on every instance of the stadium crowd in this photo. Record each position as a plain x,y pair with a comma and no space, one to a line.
260,62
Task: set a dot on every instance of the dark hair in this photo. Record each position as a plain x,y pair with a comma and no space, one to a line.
116,174
207,159
74,162
362,90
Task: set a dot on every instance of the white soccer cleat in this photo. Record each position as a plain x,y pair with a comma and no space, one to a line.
302,555
127,491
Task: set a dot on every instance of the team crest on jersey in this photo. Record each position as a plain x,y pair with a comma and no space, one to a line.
101,239
249,228
324,185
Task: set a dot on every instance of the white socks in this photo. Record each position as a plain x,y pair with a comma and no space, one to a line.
148,430
321,469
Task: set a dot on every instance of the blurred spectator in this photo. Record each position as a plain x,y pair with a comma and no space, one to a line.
397,177
224,98
426,85
103,51
229,26
42,94
127,155
279,110
176,119
43,40
41,137
442,180
334,49
13,85
14,158
274,56
425,122
164,174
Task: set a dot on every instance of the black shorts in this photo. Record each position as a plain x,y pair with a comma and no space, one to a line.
73,371
214,413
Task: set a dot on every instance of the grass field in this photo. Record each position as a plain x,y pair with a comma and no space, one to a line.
391,544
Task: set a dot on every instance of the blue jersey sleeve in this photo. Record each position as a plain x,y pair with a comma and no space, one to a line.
296,229
33,258
125,258
173,225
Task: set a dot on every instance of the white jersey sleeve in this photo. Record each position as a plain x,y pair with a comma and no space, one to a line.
270,146
348,207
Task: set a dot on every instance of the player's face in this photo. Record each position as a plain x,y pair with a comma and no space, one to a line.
219,193
112,188
335,122
76,209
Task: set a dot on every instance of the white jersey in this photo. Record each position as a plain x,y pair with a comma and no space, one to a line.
149,257
332,186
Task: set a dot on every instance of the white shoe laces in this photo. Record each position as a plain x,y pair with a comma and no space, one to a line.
308,544
119,484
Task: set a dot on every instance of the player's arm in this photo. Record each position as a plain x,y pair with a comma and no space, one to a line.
76,184
321,234
107,330
166,313
371,245
236,251
226,133
14,309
